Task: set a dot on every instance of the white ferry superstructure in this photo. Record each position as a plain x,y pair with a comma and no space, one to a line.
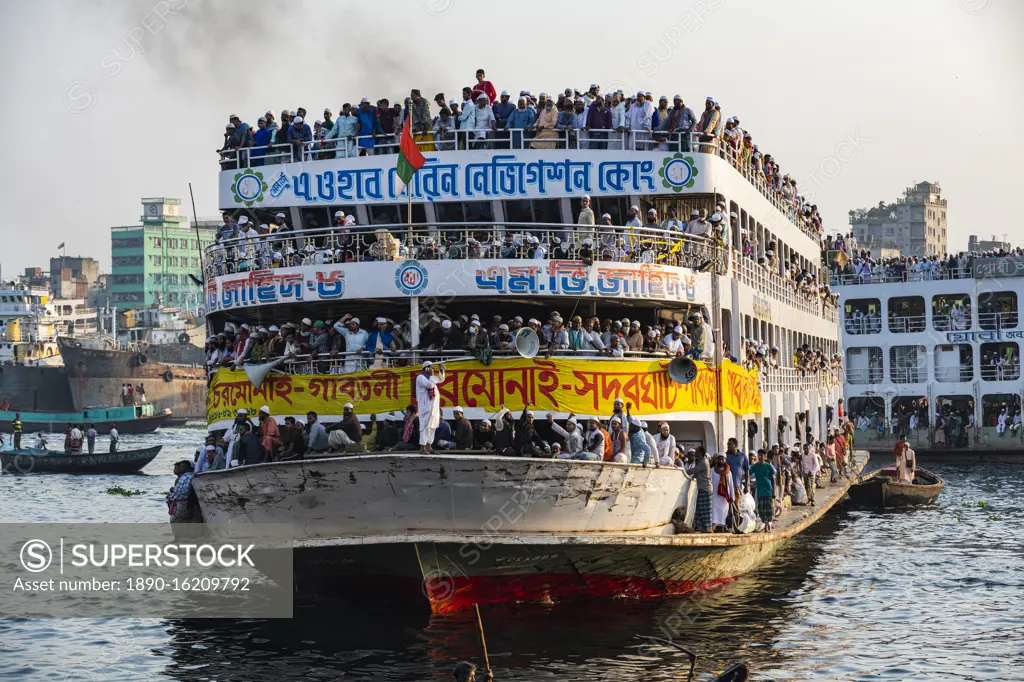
404,516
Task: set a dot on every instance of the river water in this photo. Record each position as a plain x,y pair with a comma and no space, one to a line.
928,594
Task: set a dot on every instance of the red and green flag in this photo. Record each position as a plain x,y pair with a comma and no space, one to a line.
410,159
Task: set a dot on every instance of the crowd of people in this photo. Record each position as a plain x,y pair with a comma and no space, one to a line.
347,345
726,482
860,267
79,439
954,422
485,119
132,394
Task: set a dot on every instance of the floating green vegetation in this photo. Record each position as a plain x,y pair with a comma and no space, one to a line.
124,492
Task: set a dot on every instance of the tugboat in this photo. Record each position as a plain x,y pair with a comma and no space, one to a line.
128,418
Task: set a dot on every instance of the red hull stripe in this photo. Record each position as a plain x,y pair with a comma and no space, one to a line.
449,594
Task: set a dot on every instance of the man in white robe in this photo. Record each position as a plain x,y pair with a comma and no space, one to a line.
428,399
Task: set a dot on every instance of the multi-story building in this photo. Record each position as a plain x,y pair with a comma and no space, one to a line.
73,276
975,243
151,262
915,225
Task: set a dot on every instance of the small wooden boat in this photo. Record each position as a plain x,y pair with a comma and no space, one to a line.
880,489
33,461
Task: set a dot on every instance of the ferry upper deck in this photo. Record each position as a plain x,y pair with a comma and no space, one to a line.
937,346
497,231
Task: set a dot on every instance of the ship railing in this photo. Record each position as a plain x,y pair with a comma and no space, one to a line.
908,375
461,241
891,277
345,362
864,375
790,379
1010,372
768,281
948,375
907,324
996,321
512,140
863,325
944,322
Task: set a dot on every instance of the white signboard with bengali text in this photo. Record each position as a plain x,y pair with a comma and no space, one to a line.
448,279
468,176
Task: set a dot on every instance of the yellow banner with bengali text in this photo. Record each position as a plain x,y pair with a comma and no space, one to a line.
557,385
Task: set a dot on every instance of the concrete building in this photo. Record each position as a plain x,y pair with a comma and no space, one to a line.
73,276
34,277
915,225
975,243
151,262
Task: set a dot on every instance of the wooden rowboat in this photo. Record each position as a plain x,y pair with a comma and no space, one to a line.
880,489
35,461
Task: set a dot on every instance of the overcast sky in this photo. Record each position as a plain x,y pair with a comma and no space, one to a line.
108,102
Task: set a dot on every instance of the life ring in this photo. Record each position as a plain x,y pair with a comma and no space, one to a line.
168,376
183,338
141,359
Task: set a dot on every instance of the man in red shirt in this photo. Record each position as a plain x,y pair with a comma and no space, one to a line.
484,86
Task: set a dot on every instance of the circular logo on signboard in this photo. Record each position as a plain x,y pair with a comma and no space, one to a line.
249,187
677,172
411,278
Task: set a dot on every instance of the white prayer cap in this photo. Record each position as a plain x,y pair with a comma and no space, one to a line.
606,216
381,320
262,330
570,421
716,217
298,119
474,316
529,413
427,363
663,98
634,207
264,410
339,214
619,401
543,94
586,196
615,420
534,240
279,215
652,210
677,329
242,411
327,111
481,96
710,99
486,421
504,93
594,85
677,97
652,333
695,212
348,406
643,425
364,101
244,326
211,448
264,226
243,220
452,102
457,409
307,321
318,122
588,242
503,327
447,324
696,315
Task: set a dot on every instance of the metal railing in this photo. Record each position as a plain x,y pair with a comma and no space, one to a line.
907,324
873,375
1001,373
995,321
768,281
863,325
890,275
944,322
569,139
954,374
461,241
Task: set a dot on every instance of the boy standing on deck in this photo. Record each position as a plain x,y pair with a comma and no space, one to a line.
765,475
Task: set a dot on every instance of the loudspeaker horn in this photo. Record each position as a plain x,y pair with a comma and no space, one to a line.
257,373
527,342
682,370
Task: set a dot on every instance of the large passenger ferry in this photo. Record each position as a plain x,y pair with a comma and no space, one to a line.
489,228
935,353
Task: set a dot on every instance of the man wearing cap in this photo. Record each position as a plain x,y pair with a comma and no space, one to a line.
298,135
527,442
368,128
571,434
593,441
462,430
638,122
428,401
520,121
597,123
679,122
351,425
634,338
502,110
343,130
484,122
708,124
270,435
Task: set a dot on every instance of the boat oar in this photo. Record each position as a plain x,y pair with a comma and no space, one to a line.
483,641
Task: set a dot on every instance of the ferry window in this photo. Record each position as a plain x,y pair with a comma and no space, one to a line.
999,414
468,212
954,415
396,214
906,314
1000,361
951,312
908,364
862,316
518,211
313,218
867,413
997,310
909,413
864,365
536,211
954,362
